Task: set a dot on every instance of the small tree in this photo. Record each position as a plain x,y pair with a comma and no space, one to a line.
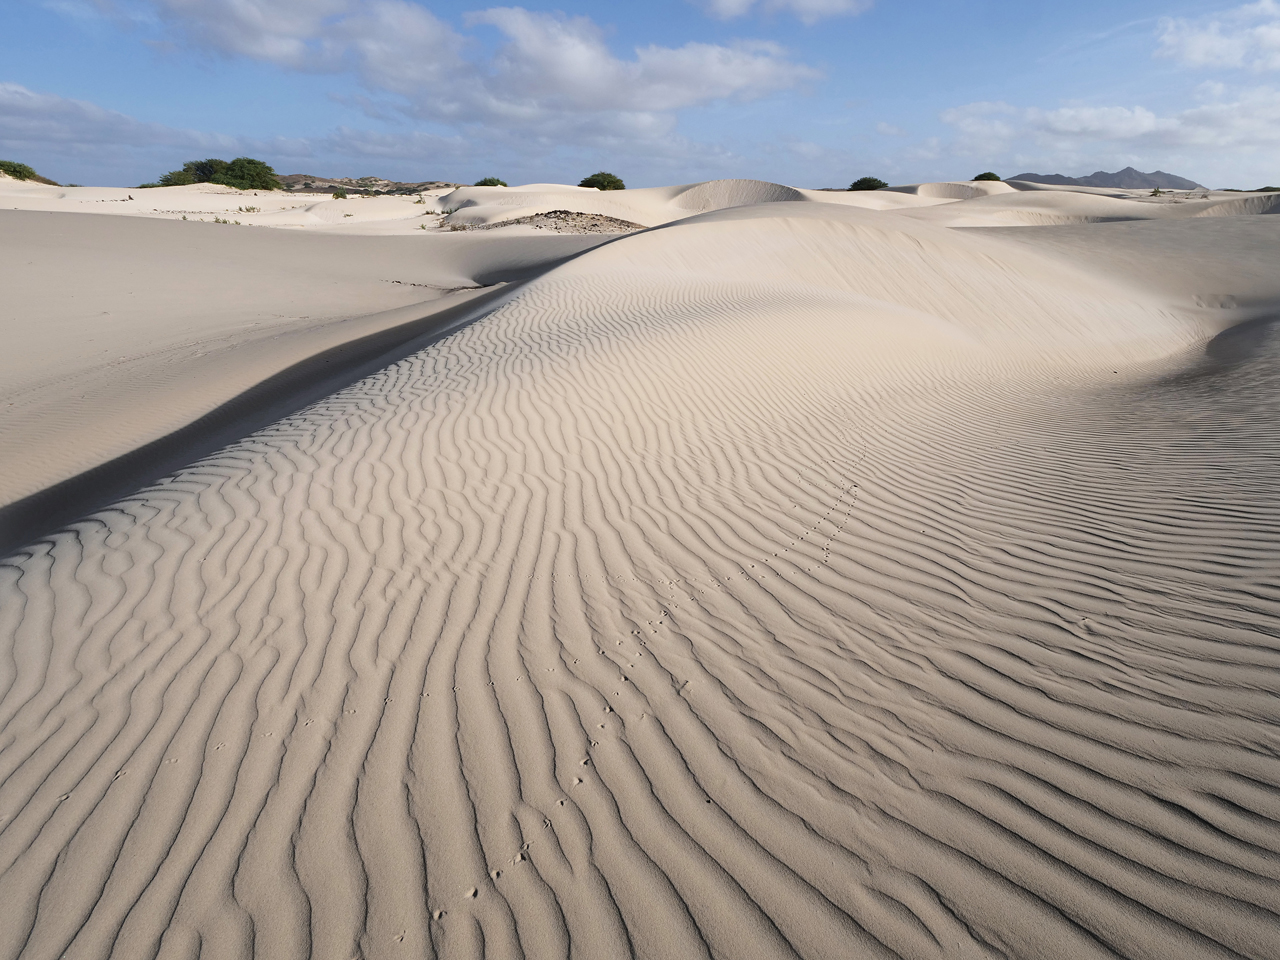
868,183
246,173
339,194
1157,192
603,181
243,173
491,182
177,178
987,176
19,171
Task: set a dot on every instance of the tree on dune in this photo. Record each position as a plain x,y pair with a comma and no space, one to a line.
987,176
868,183
243,173
20,171
246,173
174,178
603,181
491,182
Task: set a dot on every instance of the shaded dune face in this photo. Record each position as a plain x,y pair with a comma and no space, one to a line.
768,585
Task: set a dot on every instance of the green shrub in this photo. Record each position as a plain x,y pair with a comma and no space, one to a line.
603,181
243,173
246,173
868,183
987,176
19,171
491,182
177,178
203,171
339,194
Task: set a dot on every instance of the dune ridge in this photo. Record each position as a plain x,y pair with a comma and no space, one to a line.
793,580
965,203
125,331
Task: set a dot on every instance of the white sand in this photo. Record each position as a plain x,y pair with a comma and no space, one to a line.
794,579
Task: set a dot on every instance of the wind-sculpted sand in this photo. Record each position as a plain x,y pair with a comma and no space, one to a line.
793,580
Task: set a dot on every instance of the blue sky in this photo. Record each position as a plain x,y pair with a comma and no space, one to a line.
806,92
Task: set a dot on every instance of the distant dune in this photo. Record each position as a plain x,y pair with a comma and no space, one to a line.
794,575
372,186
1126,179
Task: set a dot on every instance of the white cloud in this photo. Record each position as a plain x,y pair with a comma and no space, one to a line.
1247,37
1251,120
511,82
808,11
287,32
1232,135
74,139
564,62
29,117
550,69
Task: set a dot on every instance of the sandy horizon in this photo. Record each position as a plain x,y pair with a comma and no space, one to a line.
782,573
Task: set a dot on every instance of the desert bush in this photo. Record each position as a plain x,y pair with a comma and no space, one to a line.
177,178
19,171
339,194
243,173
868,183
987,176
246,173
203,171
491,182
603,181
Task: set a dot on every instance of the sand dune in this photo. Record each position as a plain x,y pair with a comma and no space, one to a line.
123,330
961,203
790,580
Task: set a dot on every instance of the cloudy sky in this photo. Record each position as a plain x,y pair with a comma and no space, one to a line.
806,92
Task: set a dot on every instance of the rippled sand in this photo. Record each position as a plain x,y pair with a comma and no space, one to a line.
793,580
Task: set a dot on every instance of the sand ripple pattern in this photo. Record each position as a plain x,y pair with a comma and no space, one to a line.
661,622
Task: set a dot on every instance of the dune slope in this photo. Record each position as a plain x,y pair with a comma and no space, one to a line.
790,581
122,331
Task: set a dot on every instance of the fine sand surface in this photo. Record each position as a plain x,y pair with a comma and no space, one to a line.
800,578
121,330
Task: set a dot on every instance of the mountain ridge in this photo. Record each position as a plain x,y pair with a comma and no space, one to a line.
1126,179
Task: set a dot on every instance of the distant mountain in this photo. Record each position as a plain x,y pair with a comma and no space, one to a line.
1126,179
